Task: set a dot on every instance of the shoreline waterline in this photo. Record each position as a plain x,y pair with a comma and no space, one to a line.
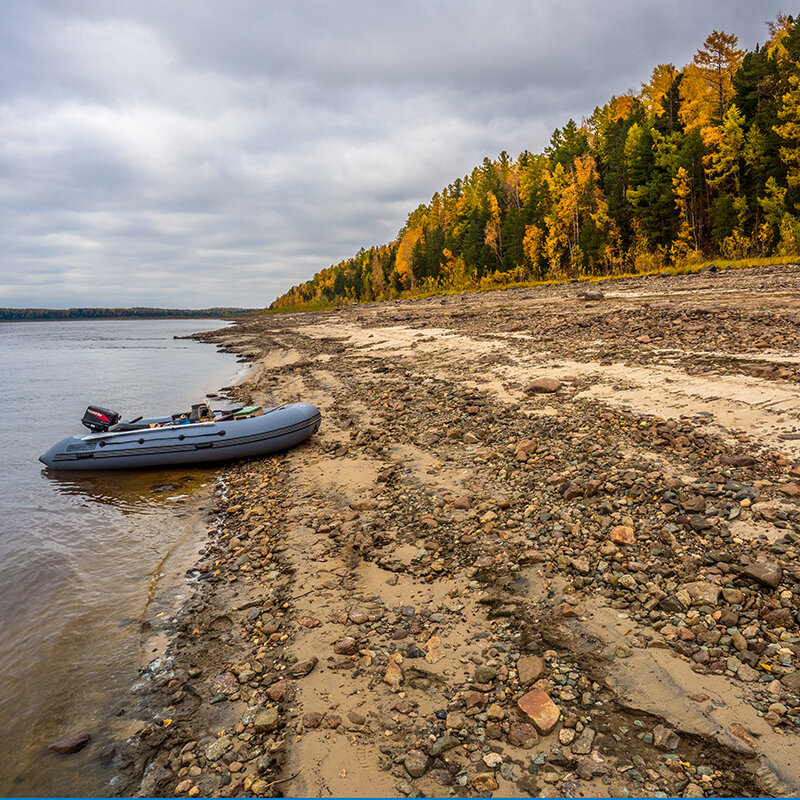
115,548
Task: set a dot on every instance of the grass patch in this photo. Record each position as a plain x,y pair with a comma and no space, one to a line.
310,306
683,269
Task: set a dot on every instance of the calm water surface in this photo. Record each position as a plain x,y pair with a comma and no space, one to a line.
81,556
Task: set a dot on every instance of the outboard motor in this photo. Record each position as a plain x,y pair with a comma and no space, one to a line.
98,419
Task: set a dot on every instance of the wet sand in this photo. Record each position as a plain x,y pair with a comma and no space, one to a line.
542,545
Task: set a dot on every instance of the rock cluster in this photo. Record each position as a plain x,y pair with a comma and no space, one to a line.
516,509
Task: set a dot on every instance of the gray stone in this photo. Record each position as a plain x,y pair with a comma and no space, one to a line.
665,738
443,744
217,749
699,523
671,605
582,746
441,776
357,718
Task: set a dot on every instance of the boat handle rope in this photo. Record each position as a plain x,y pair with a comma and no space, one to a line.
180,437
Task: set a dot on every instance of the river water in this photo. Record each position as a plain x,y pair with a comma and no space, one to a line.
82,557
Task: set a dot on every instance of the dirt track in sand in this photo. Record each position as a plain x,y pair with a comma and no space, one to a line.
636,530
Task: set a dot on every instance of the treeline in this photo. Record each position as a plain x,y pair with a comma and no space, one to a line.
7,314
702,162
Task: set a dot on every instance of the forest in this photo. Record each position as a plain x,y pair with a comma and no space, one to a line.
702,162
18,314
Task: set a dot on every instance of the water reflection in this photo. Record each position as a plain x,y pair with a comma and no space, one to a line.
130,491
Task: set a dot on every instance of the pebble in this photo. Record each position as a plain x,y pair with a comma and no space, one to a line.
524,735
702,592
266,720
583,744
474,699
416,763
495,712
455,720
218,748
442,745
484,782
463,501
747,674
623,534
393,675
435,650
278,691
493,760
566,736
312,720
345,646
356,717
302,668
665,739
358,616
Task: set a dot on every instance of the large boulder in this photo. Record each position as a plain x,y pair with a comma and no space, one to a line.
70,744
543,386
541,710
702,592
766,573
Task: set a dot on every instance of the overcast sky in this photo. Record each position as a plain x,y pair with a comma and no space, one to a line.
217,152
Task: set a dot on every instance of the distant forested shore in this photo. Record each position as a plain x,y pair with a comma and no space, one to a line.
702,162
12,314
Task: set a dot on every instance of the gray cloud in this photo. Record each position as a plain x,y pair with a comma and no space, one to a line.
194,154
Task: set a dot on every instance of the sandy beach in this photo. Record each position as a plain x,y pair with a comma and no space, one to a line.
544,544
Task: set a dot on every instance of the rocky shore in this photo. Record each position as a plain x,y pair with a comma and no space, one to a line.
544,544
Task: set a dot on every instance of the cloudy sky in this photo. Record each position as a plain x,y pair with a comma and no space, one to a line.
216,152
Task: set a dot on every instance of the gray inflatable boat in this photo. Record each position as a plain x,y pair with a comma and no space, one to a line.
196,437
